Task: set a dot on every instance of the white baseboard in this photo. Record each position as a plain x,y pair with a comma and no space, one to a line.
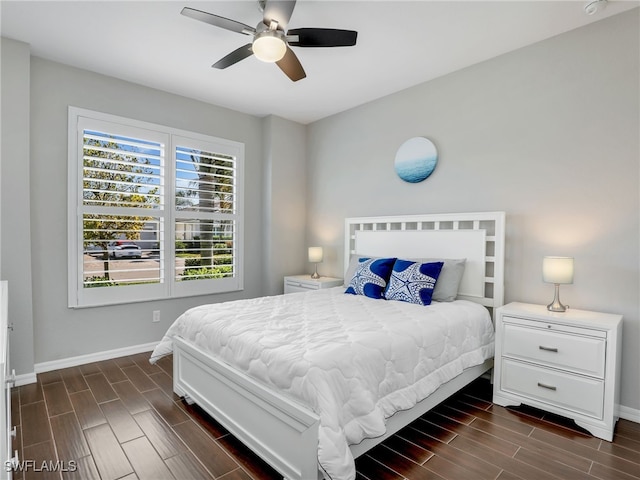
631,414
27,378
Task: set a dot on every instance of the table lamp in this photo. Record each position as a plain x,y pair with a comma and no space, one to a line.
557,270
315,256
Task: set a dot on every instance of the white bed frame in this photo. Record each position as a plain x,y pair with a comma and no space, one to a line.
285,433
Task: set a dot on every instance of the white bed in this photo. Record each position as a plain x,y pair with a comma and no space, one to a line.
281,373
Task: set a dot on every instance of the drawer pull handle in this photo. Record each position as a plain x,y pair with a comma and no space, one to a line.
548,387
548,349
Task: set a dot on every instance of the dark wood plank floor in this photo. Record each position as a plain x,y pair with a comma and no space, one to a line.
118,419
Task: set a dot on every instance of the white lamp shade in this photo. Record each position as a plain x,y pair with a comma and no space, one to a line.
315,254
269,47
557,269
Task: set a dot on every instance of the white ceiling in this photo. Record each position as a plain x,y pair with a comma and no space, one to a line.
400,44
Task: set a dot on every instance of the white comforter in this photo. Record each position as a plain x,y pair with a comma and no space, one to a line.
353,360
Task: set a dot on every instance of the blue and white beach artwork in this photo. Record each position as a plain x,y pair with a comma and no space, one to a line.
416,159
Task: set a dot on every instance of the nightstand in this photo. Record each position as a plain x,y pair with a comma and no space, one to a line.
566,363
304,283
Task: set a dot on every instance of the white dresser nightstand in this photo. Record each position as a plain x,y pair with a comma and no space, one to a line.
566,363
304,283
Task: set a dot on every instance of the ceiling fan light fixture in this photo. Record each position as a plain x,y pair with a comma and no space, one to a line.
269,46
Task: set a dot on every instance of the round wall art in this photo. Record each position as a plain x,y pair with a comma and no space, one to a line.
416,159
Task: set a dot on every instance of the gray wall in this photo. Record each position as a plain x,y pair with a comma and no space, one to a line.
15,239
548,133
284,202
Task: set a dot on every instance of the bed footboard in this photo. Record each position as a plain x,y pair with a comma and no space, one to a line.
282,432
403,418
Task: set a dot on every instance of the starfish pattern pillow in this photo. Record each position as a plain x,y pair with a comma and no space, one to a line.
371,277
413,282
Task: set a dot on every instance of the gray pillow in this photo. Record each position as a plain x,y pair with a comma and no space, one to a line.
448,282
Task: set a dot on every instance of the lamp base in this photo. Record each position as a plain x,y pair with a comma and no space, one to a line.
315,275
556,305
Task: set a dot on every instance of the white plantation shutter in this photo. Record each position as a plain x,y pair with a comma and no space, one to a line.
120,171
207,215
171,200
202,177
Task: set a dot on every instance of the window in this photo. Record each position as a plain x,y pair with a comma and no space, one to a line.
154,212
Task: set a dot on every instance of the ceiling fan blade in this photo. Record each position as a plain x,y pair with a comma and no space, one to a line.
322,37
234,57
291,66
218,21
278,10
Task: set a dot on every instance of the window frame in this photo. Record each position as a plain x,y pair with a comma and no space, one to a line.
80,119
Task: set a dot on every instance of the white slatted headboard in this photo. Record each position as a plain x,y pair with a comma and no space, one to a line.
479,237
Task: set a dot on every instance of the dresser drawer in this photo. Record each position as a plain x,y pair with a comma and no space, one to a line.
304,283
571,392
577,353
291,286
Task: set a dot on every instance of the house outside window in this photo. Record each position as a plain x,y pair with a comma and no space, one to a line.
154,212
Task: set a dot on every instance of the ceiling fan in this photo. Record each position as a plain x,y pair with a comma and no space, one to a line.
271,39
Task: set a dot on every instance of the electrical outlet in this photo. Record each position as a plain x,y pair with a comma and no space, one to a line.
156,316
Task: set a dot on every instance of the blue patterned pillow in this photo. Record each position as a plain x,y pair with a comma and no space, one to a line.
413,282
371,277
